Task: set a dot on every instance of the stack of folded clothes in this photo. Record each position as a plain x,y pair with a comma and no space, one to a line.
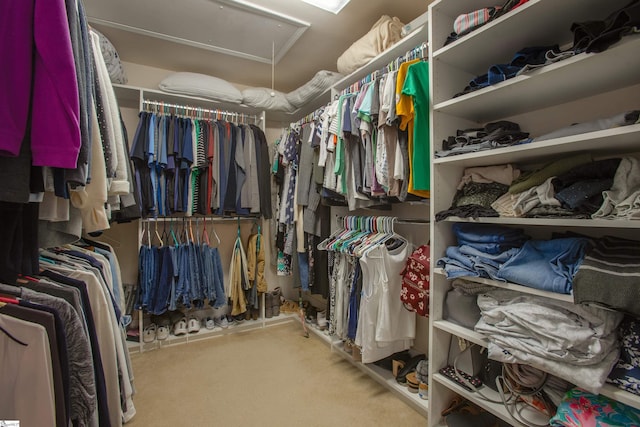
494,135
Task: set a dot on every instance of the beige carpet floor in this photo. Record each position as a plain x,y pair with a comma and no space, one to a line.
267,377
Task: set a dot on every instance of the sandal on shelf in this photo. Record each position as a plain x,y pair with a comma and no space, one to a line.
193,325
180,327
164,328
149,333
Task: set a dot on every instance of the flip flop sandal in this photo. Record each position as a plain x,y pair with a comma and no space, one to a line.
194,325
180,328
149,333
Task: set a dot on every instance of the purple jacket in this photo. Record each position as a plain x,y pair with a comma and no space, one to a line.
25,26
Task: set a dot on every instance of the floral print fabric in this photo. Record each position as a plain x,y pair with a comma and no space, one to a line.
582,409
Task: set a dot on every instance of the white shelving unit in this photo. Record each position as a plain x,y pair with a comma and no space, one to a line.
582,88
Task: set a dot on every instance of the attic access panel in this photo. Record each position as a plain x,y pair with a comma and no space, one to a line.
233,27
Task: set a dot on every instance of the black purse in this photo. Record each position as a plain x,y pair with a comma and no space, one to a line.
489,372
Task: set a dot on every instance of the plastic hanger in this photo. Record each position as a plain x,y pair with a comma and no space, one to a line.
158,235
205,235
165,235
215,235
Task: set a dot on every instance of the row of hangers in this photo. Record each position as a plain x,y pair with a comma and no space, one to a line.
361,234
418,52
160,107
171,237
311,117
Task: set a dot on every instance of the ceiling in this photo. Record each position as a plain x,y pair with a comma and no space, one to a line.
237,39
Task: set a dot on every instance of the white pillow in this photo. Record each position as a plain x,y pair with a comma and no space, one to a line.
314,87
201,85
260,97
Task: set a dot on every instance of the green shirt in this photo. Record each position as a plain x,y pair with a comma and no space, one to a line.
416,85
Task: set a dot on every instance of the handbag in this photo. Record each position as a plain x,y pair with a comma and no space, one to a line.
415,281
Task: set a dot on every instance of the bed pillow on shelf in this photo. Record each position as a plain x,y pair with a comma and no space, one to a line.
111,59
322,81
261,97
384,33
202,85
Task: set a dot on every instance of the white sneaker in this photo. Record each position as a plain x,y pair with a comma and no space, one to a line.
222,322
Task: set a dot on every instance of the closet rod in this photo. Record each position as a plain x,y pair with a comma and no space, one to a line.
203,110
208,218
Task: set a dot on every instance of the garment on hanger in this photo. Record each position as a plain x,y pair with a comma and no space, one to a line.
196,165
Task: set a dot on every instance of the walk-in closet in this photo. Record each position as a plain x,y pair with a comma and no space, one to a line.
314,212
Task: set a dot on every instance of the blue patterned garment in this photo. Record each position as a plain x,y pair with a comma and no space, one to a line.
582,409
626,374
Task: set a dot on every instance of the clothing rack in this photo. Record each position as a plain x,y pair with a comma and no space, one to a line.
199,112
418,52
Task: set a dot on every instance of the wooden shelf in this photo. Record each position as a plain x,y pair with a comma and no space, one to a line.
462,332
557,82
497,409
552,222
536,23
617,140
514,287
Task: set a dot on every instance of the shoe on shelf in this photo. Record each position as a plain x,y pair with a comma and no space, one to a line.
255,313
221,322
162,333
209,323
164,327
180,327
412,382
149,333
239,318
193,325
